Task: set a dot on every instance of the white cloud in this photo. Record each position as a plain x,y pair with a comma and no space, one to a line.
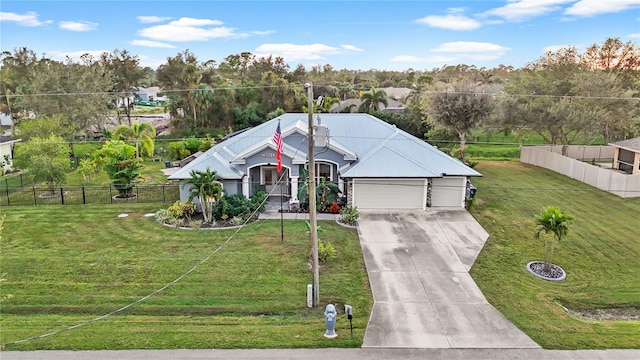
30,18
77,25
518,10
450,22
190,29
150,43
596,7
152,19
469,50
263,32
293,52
636,35
146,61
351,48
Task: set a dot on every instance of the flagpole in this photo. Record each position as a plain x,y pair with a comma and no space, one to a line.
281,214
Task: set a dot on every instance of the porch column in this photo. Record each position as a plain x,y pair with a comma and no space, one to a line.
636,164
294,187
616,154
245,186
341,185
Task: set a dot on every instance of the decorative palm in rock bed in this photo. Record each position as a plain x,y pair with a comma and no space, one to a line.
554,224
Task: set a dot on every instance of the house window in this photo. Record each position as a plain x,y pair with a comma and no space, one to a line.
323,170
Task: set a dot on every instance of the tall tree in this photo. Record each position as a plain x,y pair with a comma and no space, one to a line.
46,159
142,133
127,76
77,90
371,100
460,106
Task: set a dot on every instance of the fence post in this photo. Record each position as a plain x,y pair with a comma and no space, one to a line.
84,199
137,194
7,195
21,184
164,198
61,196
35,201
110,196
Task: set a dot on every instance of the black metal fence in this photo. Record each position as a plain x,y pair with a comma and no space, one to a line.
77,195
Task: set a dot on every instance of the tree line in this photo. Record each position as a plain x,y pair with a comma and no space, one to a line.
563,96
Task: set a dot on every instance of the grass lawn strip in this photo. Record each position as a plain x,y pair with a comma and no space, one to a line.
75,263
601,255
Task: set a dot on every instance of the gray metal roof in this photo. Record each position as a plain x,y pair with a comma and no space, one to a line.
629,144
381,149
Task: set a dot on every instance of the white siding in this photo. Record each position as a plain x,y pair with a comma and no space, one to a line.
448,192
389,193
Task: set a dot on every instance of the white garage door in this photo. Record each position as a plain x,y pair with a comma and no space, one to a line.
448,191
389,193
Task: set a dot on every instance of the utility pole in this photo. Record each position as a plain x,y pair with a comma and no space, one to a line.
311,190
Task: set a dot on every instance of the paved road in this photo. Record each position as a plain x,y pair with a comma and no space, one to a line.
323,354
418,265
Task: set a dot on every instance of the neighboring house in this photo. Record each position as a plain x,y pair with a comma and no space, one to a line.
374,163
393,106
6,152
627,156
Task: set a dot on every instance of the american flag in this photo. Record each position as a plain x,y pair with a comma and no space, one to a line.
277,138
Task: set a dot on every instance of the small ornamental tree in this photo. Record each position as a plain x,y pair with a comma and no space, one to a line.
206,188
119,161
554,221
46,159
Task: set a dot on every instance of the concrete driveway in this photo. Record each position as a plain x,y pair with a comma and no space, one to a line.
418,265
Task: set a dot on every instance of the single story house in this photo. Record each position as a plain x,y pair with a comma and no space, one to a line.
375,164
627,156
6,152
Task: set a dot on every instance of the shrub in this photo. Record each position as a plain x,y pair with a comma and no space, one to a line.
163,216
220,209
334,208
326,251
182,209
196,224
237,221
237,204
349,215
257,200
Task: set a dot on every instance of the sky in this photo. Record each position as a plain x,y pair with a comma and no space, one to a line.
354,35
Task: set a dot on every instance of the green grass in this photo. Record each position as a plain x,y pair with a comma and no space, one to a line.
601,255
66,265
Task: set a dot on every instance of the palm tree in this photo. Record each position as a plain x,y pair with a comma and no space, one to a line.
205,186
551,220
371,100
202,99
142,133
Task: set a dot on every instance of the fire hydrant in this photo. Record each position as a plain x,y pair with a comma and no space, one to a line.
330,316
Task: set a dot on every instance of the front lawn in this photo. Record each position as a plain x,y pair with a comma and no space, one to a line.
64,265
601,255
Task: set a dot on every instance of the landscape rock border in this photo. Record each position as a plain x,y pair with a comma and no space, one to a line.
557,273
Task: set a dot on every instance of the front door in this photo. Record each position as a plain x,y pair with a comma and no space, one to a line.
270,178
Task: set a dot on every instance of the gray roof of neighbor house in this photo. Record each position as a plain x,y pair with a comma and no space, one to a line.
6,139
629,144
373,147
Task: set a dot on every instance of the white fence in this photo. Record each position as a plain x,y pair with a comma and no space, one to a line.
605,179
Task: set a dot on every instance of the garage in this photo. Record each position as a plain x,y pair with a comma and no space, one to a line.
389,193
448,191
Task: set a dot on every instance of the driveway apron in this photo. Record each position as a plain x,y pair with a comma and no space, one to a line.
418,265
